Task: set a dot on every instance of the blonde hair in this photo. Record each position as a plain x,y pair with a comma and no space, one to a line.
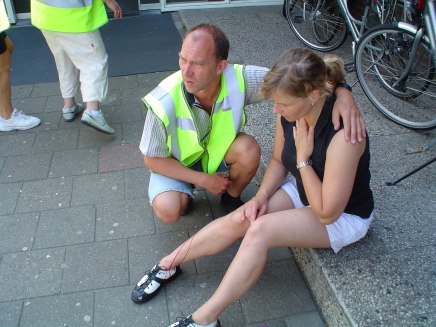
298,72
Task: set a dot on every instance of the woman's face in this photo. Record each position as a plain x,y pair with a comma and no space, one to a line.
289,107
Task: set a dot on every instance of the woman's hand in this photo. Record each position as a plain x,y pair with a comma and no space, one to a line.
304,137
254,208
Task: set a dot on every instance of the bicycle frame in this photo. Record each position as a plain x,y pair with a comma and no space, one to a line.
430,27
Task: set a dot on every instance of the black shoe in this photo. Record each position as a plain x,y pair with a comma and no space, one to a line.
188,322
188,208
231,203
148,287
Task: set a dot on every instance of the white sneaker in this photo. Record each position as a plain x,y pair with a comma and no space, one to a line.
71,113
97,121
18,120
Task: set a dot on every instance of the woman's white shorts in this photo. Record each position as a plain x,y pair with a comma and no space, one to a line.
344,231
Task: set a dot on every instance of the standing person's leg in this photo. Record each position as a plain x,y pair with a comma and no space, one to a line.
92,61
10,118
291,228
68,75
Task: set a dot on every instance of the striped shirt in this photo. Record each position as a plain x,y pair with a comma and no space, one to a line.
154,137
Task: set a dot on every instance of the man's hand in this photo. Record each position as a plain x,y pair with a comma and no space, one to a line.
346,107
217,183
114,6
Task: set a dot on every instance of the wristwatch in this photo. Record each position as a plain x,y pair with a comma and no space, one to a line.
304,164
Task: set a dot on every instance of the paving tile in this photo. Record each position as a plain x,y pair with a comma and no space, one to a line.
125,113
271,323
30,105
55,103
312,319
17,232
45,89
31,274
280,291
24,168
129,218
188,293
137,181
132,132
59,310
9,197
119,157
152,80
113,307
10,313
74,162
95,266
113,98
91,138
98,188
50,141
123,82
65,227
21,91
146,251
16,144
48,194
49,121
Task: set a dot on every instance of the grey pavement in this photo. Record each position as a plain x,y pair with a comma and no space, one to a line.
77,230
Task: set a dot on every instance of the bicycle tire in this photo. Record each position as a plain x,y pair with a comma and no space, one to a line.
317,23
381,56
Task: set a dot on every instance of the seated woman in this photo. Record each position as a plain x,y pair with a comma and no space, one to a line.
327,202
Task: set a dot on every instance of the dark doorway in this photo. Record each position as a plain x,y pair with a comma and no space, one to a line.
129,6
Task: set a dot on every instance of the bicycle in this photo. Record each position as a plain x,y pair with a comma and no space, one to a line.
400,86
395,65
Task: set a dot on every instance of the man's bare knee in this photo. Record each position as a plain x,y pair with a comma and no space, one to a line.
166,215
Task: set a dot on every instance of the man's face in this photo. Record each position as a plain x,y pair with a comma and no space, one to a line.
198,63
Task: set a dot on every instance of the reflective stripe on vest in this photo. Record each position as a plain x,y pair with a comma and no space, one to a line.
68,16
228,117
4,22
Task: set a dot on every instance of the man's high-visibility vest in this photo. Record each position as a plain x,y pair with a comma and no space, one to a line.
4,22
169,103
69,16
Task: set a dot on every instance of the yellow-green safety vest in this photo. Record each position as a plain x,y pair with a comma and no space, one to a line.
4,21
168,102
68,16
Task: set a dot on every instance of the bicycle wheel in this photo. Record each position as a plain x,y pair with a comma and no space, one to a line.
317,23
381,57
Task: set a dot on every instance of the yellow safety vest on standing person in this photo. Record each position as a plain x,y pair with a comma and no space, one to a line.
4,21
68,16
169,103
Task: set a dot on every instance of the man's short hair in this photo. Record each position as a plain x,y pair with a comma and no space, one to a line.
221,42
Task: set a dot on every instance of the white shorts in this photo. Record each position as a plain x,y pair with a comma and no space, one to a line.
344,231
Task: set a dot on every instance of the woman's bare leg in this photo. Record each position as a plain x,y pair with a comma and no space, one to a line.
220,234
291,228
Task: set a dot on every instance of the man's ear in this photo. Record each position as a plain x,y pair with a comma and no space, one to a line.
221,66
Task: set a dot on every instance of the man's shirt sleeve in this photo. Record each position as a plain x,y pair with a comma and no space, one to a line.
154,138
253,77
